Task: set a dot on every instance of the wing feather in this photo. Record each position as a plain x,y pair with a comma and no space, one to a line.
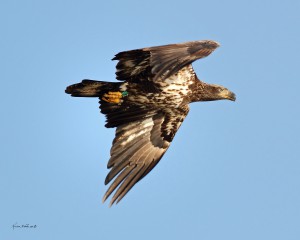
118,158
122,189
137,148
159,63
121,177
130,184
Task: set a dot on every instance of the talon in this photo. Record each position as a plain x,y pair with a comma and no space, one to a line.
112,97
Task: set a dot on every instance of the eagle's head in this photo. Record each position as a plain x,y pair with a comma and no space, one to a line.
212,92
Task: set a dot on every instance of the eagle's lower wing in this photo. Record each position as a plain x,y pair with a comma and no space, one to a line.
137,148
160,62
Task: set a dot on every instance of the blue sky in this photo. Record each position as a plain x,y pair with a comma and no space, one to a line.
233,169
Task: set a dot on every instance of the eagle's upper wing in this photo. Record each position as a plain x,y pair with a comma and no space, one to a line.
160,62
138,146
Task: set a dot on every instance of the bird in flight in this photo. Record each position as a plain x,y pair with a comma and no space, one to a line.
148,105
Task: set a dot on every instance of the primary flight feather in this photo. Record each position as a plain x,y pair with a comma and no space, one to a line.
148,106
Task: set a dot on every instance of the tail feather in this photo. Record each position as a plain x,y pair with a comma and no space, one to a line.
90,88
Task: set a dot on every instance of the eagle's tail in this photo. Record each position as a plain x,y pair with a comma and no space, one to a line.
90,88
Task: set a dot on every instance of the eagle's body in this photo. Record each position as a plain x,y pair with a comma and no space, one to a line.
148,106
172,92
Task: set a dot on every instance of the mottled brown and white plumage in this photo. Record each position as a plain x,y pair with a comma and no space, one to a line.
148,106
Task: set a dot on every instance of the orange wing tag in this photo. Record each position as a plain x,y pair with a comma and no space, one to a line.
112,97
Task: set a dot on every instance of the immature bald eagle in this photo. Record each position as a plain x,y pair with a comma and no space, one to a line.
148,106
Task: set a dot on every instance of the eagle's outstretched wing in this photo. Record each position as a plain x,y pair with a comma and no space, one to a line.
138,146
160,62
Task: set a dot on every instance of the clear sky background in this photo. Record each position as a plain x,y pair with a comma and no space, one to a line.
233,169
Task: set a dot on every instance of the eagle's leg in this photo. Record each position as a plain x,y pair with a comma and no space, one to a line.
112,97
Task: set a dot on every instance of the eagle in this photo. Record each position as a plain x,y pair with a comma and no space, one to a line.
147,106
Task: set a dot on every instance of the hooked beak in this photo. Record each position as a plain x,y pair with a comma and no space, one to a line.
231,96
226,94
